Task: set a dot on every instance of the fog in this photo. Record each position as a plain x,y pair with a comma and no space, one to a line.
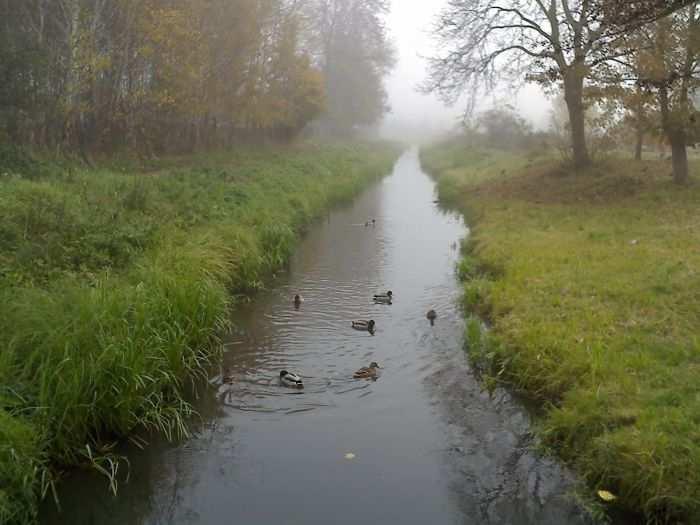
417,116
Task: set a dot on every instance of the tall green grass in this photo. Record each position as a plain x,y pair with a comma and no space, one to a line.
115,289
590,284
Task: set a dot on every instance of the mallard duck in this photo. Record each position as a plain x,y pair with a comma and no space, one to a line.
384,297
431,315
367,326
291,380
367,372
298,299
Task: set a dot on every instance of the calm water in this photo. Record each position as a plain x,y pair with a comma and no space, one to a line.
429,445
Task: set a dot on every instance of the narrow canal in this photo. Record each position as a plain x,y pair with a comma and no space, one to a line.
422,444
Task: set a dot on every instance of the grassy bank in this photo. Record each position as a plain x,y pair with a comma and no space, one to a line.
590,282
114,287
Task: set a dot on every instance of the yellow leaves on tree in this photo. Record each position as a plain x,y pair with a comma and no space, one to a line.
194,72
285,91
162,74
172,48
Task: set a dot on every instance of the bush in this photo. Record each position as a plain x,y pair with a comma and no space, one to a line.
15,160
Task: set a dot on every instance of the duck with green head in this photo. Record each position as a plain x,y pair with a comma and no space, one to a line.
291,380
384,298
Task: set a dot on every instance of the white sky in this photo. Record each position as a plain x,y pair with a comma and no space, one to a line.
413,113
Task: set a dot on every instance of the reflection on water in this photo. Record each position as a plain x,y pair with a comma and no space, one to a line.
429,446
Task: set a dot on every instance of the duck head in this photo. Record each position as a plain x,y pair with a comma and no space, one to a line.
370,324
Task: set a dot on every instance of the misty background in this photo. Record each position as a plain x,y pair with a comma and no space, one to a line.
415,116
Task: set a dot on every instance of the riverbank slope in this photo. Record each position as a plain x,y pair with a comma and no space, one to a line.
590,282
115,286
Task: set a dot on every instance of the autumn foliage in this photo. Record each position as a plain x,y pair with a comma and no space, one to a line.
155,75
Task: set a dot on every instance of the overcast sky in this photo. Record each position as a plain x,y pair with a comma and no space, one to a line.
409,23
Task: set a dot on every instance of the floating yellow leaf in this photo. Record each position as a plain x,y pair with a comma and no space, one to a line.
606,496
349,455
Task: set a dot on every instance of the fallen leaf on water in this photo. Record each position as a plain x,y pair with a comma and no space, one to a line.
606,496
349,455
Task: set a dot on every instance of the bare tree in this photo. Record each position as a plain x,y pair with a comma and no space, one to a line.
630,15
541,40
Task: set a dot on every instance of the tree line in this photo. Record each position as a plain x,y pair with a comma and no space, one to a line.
640,58
182,75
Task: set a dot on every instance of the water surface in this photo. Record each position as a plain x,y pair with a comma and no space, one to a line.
429,445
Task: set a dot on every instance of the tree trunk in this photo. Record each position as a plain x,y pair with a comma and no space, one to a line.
573,94
639,145
679,156
676,138
73,116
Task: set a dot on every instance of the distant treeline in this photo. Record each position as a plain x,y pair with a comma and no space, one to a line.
174,75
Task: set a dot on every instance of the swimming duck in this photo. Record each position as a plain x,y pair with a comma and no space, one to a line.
431,315
298,299
367,326
384,297
291,380
367,372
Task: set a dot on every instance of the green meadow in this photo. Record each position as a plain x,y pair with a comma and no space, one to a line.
589,284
